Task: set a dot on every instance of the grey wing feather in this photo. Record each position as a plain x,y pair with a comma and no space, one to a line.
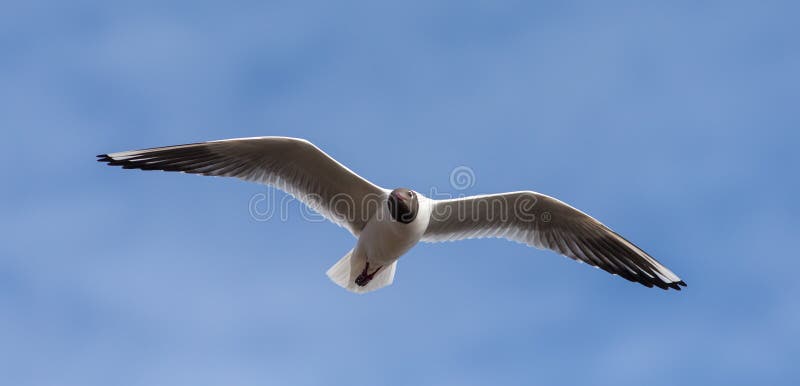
542,221
290,164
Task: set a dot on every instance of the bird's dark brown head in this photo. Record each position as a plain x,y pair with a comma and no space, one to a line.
403,205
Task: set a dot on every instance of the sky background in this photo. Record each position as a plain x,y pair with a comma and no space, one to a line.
675,123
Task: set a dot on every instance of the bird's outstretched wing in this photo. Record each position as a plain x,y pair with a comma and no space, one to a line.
290,164
545,222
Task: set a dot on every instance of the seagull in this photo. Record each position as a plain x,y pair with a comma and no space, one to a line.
388,223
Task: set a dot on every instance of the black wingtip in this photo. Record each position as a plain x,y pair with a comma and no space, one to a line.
104,158
677,285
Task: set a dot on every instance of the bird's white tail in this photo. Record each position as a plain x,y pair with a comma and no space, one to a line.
347,269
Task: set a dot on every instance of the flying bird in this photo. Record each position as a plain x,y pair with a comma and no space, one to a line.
388,223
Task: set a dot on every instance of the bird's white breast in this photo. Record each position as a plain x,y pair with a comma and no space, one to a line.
384,240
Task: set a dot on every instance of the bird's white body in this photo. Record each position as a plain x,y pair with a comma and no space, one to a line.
384,240
380,244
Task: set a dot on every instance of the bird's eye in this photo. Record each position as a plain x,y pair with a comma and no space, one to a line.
410,193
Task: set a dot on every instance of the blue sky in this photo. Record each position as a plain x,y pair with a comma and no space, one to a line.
675,123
